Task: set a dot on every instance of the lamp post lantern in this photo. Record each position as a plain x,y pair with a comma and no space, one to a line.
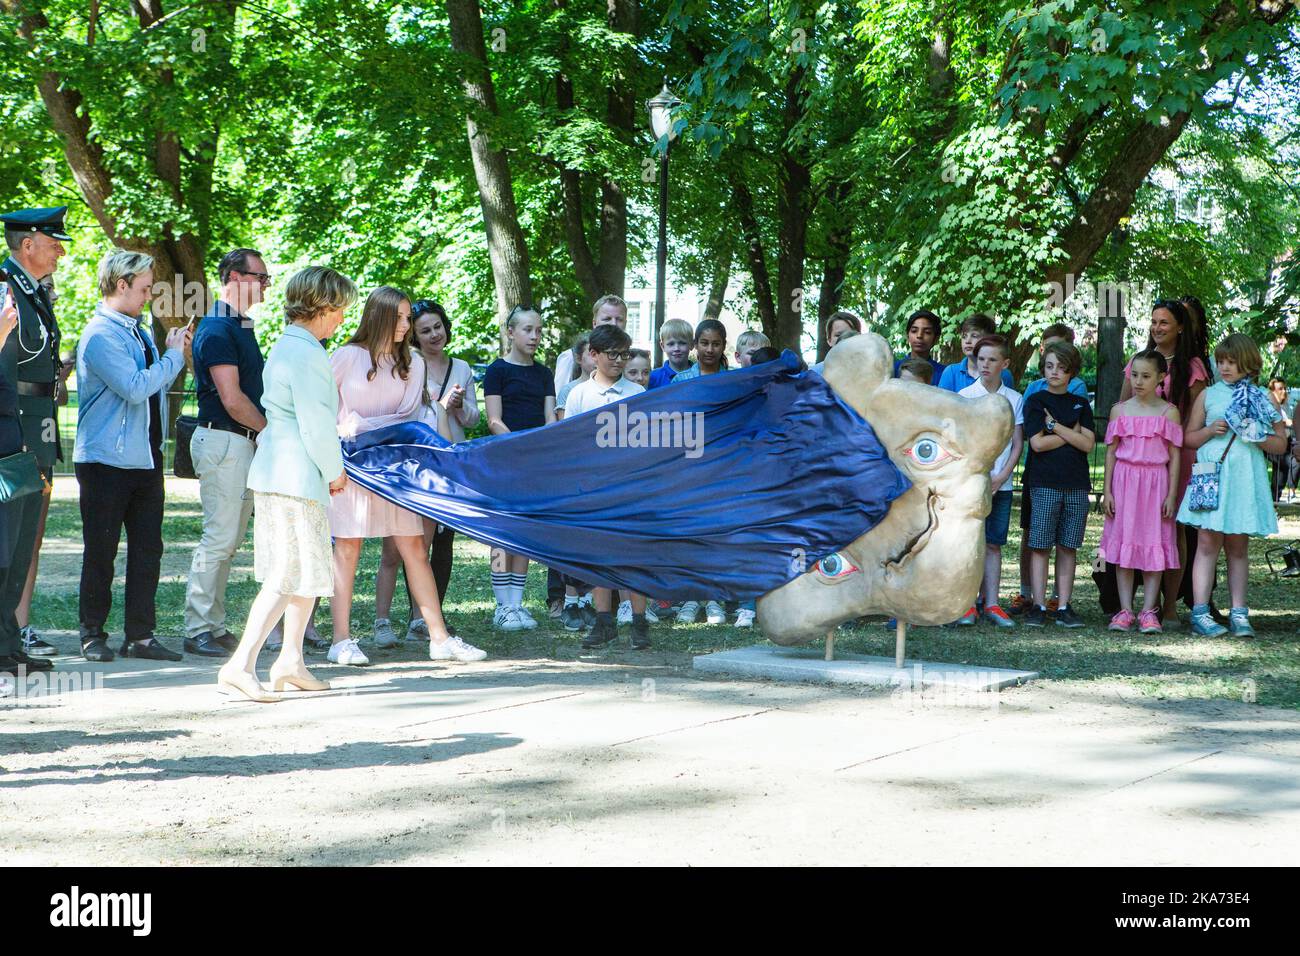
661,107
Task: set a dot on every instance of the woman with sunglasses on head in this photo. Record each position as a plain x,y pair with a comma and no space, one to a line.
450,408
381,382
1175,335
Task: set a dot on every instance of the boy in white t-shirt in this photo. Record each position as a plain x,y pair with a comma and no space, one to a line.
609,347
992,356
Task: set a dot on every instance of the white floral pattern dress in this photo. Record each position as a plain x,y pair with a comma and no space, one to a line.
291,545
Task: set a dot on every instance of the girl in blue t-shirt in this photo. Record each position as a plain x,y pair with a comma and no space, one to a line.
518,394
710,358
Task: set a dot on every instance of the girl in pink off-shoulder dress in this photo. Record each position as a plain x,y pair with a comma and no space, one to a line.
381,381
1143,467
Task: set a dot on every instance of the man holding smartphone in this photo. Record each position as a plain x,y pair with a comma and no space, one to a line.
30,359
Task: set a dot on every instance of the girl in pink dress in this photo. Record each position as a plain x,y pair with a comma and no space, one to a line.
1177,335
381,382
1142,491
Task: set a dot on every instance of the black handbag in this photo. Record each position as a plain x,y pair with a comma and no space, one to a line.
20,476
182,463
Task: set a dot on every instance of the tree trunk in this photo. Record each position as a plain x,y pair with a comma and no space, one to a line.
1145,146
1110,348
721,276
756,259
828,299
179,280
575,225
1112,197
794,182
506,248
622,16
835,265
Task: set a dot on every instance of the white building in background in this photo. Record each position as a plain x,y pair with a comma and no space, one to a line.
686,303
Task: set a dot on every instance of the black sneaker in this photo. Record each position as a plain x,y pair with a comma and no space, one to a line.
588,612
1066,617
1035,616
600,635
640,635
33,646
571,617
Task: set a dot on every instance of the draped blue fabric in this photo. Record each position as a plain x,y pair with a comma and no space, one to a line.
765,471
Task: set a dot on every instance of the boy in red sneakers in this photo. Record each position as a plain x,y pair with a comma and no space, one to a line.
992,355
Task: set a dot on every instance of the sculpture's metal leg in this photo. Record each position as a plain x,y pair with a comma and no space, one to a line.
900,644
830,645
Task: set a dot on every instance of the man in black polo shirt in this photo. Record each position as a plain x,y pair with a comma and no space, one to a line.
228,378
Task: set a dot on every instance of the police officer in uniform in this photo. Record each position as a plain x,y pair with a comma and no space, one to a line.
30,357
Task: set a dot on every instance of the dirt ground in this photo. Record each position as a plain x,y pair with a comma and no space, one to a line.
623,759
526,762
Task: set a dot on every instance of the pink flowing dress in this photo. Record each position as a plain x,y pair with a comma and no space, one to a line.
364,405
1196,373
1138,536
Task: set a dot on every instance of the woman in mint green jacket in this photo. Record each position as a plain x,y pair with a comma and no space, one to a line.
297,466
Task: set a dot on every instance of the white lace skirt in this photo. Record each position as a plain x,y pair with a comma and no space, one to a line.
291,545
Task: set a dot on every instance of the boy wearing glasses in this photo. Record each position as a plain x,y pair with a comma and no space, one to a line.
609,346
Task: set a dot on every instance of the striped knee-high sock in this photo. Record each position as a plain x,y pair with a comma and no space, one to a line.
501,588
517,584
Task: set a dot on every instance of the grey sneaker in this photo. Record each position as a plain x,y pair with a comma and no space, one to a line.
1239,622
1203,625
417,630
571,618
385,636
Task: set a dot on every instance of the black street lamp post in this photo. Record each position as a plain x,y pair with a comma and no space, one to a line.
661,124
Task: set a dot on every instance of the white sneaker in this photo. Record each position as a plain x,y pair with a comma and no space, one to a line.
384,635
347,651
650,616
417,630
454,649
528,619
689,612
625,612
744,617
508,619
715,613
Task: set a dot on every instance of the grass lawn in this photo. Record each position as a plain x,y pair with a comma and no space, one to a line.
1173,665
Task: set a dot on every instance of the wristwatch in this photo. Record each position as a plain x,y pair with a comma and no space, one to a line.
1050,427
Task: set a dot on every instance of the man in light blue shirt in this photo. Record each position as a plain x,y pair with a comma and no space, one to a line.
118,456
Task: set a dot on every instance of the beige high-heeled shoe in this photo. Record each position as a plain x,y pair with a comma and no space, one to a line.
300,680
239,683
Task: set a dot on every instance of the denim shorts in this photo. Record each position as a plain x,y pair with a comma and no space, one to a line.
999,519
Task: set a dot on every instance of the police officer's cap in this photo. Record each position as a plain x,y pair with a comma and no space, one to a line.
48,221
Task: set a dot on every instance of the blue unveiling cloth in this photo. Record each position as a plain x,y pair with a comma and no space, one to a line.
766,471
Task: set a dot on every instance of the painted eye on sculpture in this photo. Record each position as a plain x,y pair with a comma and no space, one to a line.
836,566
927,451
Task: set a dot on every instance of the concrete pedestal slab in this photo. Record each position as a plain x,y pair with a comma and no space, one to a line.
806,664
